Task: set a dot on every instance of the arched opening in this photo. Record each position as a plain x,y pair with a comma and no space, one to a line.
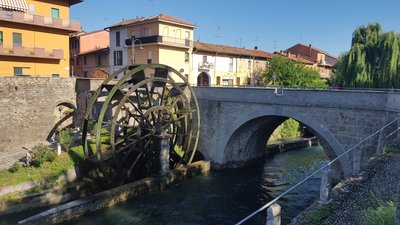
203,79
62,117
276,171
247,143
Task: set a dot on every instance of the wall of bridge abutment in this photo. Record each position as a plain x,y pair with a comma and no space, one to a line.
236,122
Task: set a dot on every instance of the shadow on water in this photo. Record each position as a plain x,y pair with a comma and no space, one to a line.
224,197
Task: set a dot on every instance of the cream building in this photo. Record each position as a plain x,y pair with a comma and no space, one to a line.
220,65
156,39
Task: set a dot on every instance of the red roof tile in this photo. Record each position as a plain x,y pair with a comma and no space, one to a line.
229,50
160,17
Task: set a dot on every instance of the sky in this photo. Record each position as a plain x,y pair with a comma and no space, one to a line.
271,25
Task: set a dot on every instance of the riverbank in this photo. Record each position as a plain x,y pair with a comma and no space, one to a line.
369,199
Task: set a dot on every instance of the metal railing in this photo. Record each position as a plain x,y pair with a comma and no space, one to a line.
323,168
304,88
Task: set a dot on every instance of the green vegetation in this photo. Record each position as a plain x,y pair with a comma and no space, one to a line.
291,128
46,171
382,215
42,153
290,73
373,60
14,168
318,215
389,149
65,137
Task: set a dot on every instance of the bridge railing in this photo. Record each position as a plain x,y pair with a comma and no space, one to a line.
322,88
383,134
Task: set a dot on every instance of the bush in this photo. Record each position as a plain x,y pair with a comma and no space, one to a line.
290,129
14,168
65,137
42,153
383,215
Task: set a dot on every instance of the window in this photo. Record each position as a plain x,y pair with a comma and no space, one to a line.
98,59
149,57
142,32
166,31
55,13
249,65
204,59
17,39
227,81
1,37
117,58
55,75
17,71
84,60
117,38
186,57
218,80
133,35
237,81
187,38
85,73
31,9
230,64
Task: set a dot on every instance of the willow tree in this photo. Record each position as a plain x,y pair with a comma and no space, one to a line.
373,60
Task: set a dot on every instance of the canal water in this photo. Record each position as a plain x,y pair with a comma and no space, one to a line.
223,197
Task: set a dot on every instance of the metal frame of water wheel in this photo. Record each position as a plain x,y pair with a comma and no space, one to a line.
192,129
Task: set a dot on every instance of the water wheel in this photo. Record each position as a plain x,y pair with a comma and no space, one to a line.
145,122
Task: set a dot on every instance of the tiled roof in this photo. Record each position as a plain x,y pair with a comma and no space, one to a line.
316,49
160,17
294,57
229,50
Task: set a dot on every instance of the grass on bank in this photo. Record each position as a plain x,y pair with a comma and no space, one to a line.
385,214
47,172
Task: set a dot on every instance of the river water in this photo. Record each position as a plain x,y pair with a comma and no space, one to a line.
224,197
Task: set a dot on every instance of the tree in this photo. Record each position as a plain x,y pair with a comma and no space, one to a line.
373,60
290,73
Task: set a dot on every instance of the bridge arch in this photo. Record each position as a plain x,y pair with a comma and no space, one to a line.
246,137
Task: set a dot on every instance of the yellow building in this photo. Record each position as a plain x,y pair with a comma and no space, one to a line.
34,37
156,39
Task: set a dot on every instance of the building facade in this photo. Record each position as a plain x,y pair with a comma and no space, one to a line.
34,37
220,65
156,39
321,60
89,54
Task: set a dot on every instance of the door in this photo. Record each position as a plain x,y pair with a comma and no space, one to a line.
203,80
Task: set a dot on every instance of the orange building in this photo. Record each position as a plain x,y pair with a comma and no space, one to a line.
34,37
89,54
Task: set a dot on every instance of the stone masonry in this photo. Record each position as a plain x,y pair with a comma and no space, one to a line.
236,122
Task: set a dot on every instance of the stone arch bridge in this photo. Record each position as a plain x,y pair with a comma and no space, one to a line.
237,122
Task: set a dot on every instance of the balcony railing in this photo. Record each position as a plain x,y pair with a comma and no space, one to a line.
20,17
206,66
31,52
166,41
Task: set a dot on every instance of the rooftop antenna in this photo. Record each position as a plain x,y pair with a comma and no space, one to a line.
218,32
240,42
150,6
274,45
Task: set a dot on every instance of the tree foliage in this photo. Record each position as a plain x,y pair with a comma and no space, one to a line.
290,73
373,60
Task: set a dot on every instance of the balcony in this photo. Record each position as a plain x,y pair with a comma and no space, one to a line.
20,17
164,40
34,52
206,66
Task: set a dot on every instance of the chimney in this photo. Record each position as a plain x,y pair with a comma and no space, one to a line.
309,48
288,54
255,47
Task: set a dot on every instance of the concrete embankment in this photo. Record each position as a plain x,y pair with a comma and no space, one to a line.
116,195
290,145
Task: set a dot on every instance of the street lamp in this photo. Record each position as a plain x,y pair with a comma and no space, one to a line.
131,42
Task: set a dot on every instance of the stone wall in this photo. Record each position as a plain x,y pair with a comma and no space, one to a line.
27,110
